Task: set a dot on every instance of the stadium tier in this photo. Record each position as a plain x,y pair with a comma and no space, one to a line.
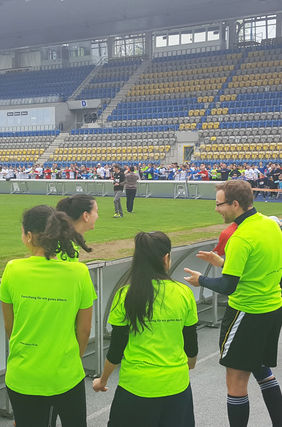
231,98
175,90
32,84
24,147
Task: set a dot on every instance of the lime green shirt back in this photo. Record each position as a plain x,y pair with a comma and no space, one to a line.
154,362
254,253
46,296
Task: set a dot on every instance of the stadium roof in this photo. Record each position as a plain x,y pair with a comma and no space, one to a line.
35,22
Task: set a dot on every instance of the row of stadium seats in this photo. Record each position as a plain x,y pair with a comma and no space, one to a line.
113,150
22,158
273,146
107,158
121,136
240,155
188,73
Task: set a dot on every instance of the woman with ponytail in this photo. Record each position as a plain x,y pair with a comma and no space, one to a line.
82,210
47,307
154,327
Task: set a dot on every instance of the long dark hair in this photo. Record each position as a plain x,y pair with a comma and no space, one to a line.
52,231
147,264
74,206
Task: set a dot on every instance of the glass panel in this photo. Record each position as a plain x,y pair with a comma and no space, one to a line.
161,41
187,37
173,39
213,34
271,31
199,36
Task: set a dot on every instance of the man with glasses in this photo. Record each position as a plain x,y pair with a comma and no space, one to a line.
252,321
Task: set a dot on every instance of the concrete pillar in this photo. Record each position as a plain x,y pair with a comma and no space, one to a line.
65,56
222,36
110,43
17,58
279,25
232,33
148,44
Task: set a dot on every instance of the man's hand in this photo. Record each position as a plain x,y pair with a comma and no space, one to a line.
193,279
98,385
211,257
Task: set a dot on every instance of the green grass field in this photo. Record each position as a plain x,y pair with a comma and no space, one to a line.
167,215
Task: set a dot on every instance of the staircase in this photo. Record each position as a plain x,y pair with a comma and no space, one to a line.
50,150
102,120
88,79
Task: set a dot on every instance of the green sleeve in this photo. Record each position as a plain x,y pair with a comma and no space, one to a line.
117,314
237,252
191,315
5,295
88,290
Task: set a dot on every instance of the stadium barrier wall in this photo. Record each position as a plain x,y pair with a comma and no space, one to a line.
150,188
107,277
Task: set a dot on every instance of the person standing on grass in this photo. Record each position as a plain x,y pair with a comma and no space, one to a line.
154,325
131,179
252,321
119,180
47,307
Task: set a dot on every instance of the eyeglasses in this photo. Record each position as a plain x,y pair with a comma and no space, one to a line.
220,204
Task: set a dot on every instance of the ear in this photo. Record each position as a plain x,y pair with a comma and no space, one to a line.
236,204
166,259
85,216
29,237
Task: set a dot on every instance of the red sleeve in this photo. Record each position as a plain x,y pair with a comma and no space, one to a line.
224,237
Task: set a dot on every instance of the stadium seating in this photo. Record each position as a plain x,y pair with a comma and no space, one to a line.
233,99
247,113
110,78
32,84
24,147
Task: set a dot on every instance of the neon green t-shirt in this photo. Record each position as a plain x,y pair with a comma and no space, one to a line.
154,362
46,296
254,253
67,258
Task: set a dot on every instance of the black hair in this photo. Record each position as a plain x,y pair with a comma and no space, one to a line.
131,169
147,264
52,231
74,206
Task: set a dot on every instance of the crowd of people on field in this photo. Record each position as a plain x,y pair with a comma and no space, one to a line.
259,175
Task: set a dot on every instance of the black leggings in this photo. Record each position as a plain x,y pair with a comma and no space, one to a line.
129,410
35,411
